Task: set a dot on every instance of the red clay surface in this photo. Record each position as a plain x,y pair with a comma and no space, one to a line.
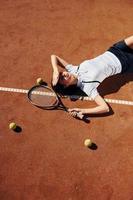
48,160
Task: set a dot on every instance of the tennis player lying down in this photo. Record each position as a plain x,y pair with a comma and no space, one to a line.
90,73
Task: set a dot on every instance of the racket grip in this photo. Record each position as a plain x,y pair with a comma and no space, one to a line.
80,116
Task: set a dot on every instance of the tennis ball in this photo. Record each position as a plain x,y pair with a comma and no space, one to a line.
39,81
88,142
12,126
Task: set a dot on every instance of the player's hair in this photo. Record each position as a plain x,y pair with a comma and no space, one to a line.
61,89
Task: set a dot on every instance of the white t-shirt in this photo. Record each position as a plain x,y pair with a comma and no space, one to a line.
91,73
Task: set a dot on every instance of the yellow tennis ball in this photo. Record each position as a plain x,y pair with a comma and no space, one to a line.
88,142
39,81
12,126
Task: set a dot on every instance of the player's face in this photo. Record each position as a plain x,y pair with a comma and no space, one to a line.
66,78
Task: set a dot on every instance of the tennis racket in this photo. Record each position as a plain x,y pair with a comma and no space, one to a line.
44,97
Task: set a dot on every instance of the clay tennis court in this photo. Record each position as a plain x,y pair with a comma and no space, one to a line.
47,160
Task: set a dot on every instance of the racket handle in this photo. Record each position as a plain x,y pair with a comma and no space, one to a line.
80,116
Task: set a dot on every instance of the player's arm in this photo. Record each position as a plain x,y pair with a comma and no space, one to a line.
101,107
57,61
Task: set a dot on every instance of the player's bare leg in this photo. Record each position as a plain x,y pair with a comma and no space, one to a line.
129,41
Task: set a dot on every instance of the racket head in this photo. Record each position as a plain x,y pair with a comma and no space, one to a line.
43,96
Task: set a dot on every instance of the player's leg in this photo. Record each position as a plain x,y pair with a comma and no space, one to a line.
129,41
124,51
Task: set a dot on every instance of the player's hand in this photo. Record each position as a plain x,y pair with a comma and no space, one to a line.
55,78
74,112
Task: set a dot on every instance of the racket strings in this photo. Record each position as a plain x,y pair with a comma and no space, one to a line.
43,97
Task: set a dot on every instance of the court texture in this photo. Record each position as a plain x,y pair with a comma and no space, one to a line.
47,158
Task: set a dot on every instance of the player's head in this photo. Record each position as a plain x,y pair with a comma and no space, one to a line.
66,79
65,82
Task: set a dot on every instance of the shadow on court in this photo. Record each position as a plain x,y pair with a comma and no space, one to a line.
18,129
93,147
114,83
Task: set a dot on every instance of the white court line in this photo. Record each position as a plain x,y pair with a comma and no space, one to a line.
113,101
